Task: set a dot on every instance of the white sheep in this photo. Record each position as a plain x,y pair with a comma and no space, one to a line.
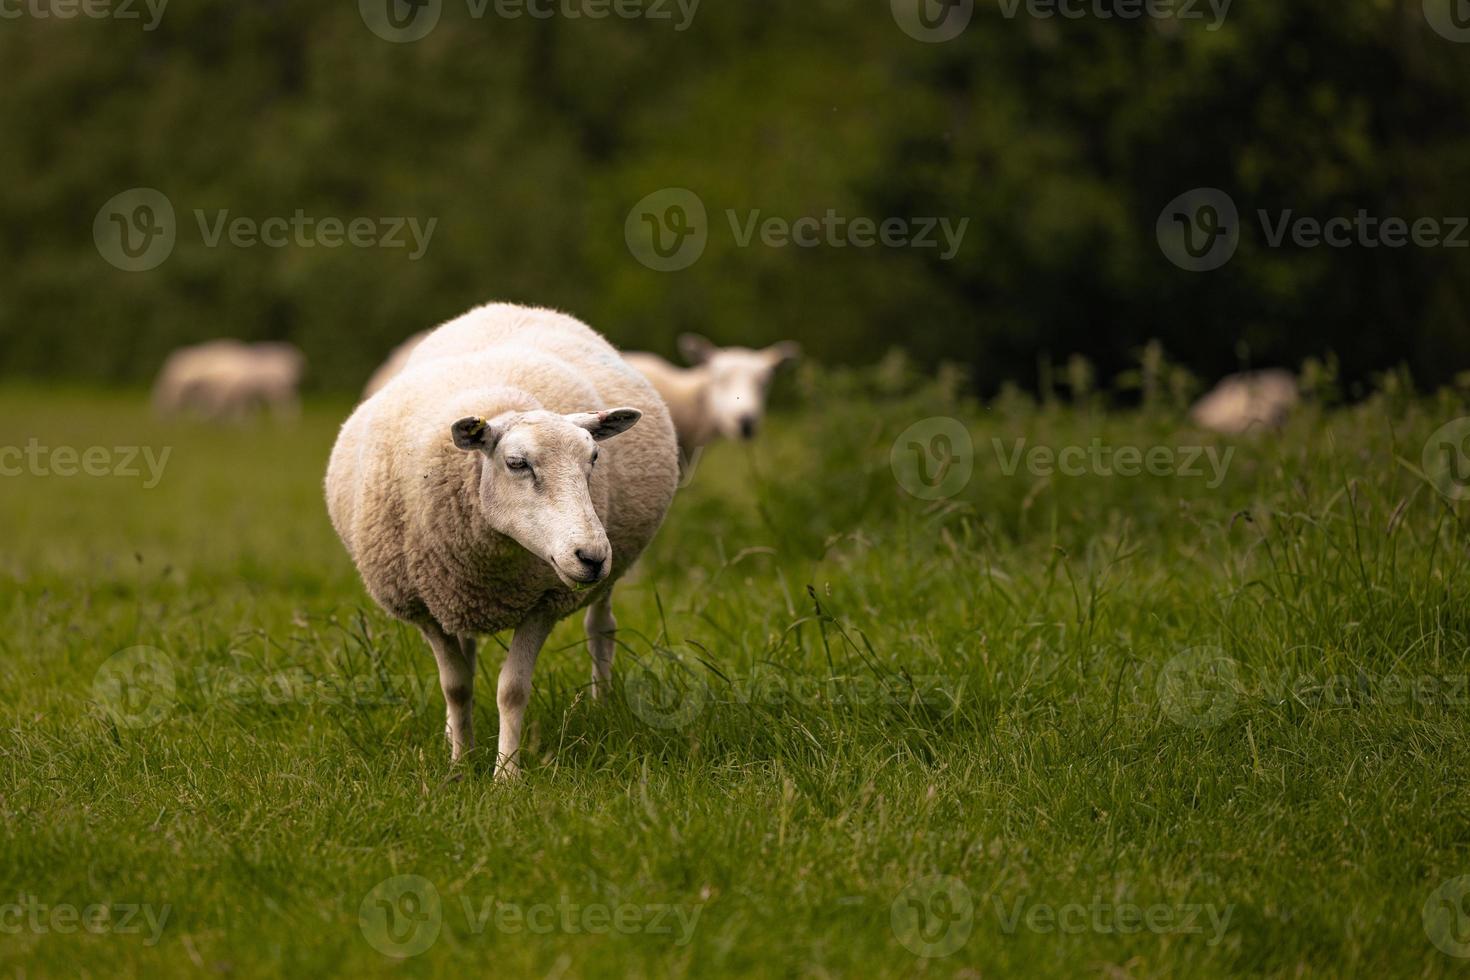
723,394
394,365
1244,402
473,497
228,380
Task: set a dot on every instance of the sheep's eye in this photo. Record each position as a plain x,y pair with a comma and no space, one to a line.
518,465
594,456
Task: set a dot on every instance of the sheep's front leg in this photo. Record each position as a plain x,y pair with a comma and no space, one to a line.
601,627
457,681
514,690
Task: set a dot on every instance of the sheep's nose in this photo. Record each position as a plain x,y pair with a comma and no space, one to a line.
592,563
747,426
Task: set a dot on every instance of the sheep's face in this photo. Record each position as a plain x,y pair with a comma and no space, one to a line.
738,380
534,475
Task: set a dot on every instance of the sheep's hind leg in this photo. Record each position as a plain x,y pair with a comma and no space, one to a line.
601,628
514,690
467,650
457,681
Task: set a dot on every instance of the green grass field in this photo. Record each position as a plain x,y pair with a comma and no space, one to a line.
1198,722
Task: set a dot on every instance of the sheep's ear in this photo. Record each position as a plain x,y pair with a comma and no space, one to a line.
786,350
605,425
474,434
694,348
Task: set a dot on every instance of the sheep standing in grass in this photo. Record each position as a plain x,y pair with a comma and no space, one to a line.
226,380
722,395
474,497
394,365
1246,402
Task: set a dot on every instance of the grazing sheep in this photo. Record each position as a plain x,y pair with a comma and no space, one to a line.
722,395
1243,402
473,496
394,365
227,380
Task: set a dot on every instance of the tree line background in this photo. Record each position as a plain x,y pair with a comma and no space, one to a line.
530,140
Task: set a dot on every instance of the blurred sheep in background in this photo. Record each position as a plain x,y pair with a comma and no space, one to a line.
226,380
723,393
1246,402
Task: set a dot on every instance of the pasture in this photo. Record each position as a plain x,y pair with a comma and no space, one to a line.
1210,719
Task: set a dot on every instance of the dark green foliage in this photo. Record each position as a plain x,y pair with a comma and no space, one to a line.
530,140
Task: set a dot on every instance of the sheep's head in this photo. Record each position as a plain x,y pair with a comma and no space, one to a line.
738,380
534,478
